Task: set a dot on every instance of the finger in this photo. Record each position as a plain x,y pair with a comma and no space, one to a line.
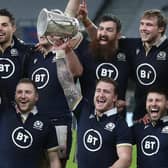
84,3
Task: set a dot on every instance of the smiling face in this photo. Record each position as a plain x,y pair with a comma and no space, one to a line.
149,30
105,97
6,30
25,97
156,105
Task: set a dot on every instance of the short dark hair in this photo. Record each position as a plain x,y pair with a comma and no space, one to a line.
113,18
5,12
111,81
28,81
159,90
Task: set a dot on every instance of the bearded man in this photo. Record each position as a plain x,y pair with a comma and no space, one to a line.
104,57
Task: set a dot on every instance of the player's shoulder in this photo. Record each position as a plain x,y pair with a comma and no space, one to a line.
129,42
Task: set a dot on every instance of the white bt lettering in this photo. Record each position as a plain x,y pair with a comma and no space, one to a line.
40,77
21,136
92,139
4,67
106,72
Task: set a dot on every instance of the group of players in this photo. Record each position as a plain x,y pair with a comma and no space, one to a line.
29,115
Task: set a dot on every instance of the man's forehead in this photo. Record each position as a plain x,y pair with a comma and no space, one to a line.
24,86
4,19
153,95
107,23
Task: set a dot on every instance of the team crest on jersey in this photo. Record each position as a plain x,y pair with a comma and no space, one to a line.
121,57
161,55
22,138
38,125
109,126
165,130
14,52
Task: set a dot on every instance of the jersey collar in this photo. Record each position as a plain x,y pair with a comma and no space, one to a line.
160,41
157,43
164,118
109,113
34,111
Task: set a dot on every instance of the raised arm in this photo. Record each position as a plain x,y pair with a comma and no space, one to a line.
73,62
72,94
75,9
72,8
83,17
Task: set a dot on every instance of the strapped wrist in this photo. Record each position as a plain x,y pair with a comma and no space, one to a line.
87,22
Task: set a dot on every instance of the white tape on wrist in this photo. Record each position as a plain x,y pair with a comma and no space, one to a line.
60,54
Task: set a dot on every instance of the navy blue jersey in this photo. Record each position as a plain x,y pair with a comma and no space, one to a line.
22,145
12,68
147,70
115,67
152,144
98,137
43,72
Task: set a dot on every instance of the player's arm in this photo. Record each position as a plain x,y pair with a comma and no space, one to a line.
54,159
83,17
71,58
124,156
72,94
72,8
73,62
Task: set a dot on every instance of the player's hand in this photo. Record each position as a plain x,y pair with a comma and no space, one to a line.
59,43
82,13
145,119
43,45
121,104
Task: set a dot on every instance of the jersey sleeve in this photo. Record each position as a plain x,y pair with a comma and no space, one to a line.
51,142
123,133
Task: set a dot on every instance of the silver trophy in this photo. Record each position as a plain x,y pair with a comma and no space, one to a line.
56,23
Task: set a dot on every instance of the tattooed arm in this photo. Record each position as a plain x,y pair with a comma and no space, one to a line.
72,94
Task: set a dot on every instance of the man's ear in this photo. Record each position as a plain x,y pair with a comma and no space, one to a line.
115,98
37,97
14,28
167,104
119,35
161,29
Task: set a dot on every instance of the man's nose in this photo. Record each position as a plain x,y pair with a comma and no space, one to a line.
23,94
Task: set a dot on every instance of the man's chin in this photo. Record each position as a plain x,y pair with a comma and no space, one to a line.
156,118
23,110
144,39
100,109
